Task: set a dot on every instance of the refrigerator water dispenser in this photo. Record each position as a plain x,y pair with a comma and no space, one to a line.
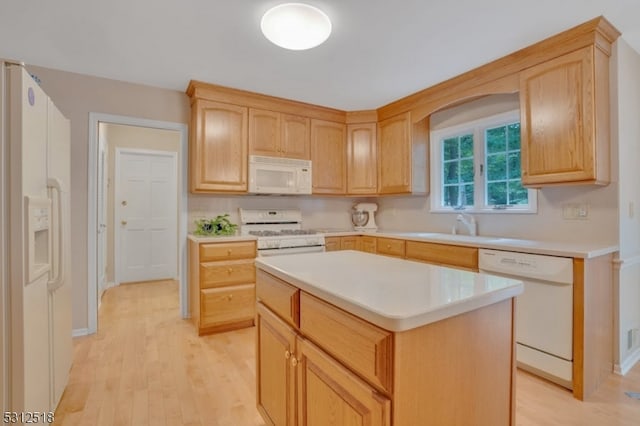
38,225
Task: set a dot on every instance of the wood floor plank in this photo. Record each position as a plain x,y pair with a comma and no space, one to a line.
147,366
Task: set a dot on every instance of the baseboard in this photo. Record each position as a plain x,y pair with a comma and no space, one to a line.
628,363
78,332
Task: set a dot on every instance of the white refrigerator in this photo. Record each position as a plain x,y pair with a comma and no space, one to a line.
36,225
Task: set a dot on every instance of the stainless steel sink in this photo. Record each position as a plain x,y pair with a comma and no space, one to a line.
454,237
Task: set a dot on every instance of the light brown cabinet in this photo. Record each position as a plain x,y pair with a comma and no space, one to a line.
443,254
390,247
330,367
328,156
218,147
278,135
362,159
402,155
564,111
332,244
367,244
297,382
222,285
342,243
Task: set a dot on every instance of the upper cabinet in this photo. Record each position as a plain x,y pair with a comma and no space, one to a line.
278,135
402,155
565,120
362,175
328,157
218,147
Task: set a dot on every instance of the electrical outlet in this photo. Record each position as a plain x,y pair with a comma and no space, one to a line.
575,211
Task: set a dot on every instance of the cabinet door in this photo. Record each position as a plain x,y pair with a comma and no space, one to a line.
227,305
295,135
328,154
331,243
329,394
557,120
275,384
218,148
394,155
362,176
264,132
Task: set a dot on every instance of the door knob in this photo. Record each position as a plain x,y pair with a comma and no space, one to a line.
124,222
124,202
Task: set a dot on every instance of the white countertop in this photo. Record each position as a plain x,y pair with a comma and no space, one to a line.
220,238
392,293
550,248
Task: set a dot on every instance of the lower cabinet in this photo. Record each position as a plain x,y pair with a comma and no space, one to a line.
341,243
299,384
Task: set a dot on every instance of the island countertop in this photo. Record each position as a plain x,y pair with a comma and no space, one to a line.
394,294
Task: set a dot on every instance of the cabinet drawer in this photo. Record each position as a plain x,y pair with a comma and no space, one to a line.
227,305
390,247
444,254
349,243
227,251
365,348
368,244
216,274
280,297
331,243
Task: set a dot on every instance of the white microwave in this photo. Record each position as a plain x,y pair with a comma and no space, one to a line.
275,175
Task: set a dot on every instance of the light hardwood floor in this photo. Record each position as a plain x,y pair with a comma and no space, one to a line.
146,366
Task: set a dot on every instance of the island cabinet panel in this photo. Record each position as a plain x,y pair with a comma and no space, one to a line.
218,147
328,156
466,380
330,394
221,291
275,377
390,247
280,297
443,254
363,347
565,120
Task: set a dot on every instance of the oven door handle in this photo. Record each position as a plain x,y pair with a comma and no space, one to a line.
290,250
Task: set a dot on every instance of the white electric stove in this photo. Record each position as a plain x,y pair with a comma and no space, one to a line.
280,232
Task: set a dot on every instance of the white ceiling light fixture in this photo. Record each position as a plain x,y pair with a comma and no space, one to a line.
295,26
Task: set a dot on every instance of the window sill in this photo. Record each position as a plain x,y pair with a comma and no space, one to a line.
486,211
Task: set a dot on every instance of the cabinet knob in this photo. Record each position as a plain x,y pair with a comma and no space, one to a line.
229,297
229,252
389,246
287,354
230,270
294,361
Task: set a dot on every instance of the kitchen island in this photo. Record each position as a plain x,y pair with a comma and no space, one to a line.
355,338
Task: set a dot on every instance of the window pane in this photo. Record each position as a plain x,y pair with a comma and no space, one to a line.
450,148
514,165
450,195
466,146
496,139
496,167
497,193
517,194
450,172
513,134
468,194
466,171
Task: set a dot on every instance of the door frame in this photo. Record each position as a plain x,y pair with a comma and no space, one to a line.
117,235
92,208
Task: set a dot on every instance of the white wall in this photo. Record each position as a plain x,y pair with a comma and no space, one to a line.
626,105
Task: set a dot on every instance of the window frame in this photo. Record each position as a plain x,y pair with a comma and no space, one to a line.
477,128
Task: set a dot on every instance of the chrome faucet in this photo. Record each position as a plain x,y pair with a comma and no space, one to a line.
468,221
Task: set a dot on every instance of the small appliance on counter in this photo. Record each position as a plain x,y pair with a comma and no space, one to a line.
363,217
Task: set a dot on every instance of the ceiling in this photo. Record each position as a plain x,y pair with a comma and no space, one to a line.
379,51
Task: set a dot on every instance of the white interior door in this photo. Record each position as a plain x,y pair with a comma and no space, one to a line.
146,215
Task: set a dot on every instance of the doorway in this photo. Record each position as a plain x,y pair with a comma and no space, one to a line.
99,261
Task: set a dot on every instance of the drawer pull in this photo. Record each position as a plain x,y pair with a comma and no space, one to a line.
388,246
287,354
229,297
230,270
229,252
294,361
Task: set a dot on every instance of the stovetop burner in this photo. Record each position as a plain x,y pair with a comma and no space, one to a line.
282,232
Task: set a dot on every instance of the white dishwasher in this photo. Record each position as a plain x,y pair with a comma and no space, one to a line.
544,311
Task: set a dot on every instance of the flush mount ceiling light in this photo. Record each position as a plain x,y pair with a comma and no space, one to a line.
295,26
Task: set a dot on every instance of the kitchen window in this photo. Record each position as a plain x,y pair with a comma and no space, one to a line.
477,167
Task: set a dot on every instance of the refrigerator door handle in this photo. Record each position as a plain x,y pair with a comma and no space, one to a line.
58,279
